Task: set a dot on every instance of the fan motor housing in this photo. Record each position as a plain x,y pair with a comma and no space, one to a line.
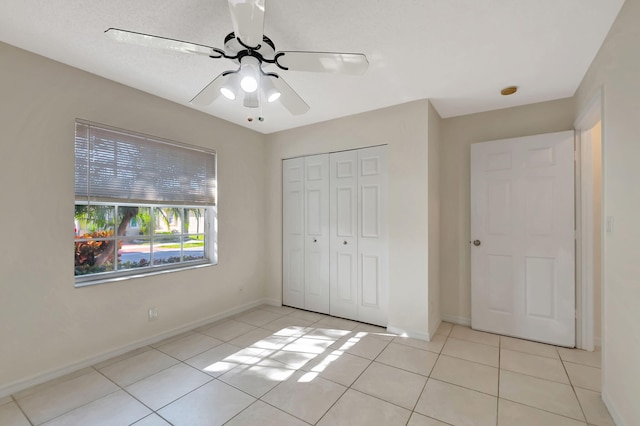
232,46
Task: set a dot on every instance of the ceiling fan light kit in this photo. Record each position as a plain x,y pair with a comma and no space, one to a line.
269,91
249,67
230,89
248,47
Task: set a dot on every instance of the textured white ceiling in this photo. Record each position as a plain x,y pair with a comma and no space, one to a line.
458,53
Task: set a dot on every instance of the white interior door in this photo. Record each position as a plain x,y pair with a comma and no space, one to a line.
316,240
373,288
522,228
293,232
344,234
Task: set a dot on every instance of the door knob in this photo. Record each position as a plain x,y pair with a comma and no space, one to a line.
345,243
476,243
315,241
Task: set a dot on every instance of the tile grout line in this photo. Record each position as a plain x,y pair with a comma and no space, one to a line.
499,370
78,407
15,401
271,405
449,336
413,410
464,387
179,361
178,398
332,405
538,377
529,353
306,329
468,360
347,388
287,366
434,365
85,404
427,381
256,399
254,403
355,380
573,388
212,379
119,387
471,341
542,409
131,395
546,411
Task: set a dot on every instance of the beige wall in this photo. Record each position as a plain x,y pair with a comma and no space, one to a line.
434,156
45,323
405,129
457,135
615,71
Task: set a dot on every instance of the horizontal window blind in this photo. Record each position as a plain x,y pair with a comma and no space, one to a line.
114,165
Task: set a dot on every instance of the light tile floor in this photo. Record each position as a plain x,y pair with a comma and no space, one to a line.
281,366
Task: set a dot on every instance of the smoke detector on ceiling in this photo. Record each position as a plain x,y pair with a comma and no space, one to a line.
509,90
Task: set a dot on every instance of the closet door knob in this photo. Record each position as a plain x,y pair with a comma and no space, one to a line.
315,241
345,243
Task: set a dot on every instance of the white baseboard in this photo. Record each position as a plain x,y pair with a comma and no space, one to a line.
434,329
409,333
427,336
20,385
614,414
272,302
456,319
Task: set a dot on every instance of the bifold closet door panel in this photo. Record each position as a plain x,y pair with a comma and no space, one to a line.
316,239
335,234
293,233
343,181
373,286
359,236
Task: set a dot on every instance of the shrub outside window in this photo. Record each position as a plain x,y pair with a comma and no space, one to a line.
143,205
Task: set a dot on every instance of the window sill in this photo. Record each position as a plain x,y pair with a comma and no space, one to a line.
148,273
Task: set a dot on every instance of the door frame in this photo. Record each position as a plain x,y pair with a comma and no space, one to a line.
588,118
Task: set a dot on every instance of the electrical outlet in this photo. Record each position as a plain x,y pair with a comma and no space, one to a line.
153,314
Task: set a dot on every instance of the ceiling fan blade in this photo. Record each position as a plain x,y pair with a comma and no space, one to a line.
211,92
338,63
161,42
288,97
248,20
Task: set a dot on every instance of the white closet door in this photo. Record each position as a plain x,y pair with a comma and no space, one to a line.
373,236
316,239
293,287
344,234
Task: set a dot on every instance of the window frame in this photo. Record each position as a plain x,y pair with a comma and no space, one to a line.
209,231
210,255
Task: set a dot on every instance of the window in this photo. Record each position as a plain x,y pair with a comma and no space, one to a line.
142,205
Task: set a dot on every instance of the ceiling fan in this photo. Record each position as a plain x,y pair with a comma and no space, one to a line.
248,47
